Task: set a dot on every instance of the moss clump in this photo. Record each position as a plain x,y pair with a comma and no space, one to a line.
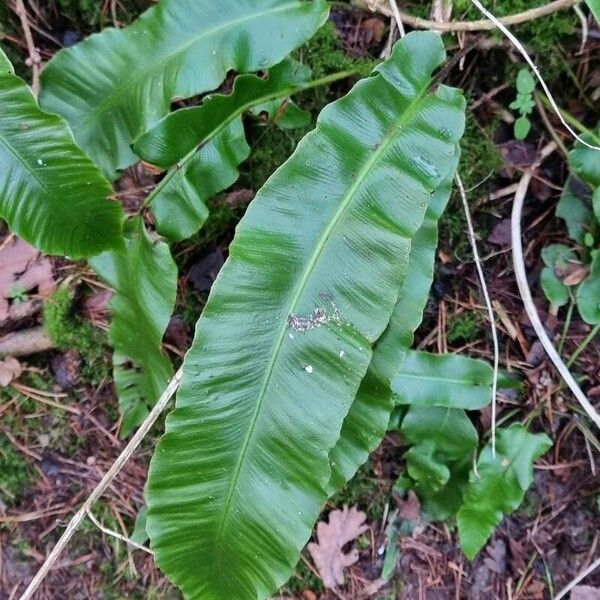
271,145
465,328
67,331
17,474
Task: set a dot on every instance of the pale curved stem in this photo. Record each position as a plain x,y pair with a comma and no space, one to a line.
488,303
517,44
525,292
578,579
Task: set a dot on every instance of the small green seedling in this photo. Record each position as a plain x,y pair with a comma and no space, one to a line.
17,294
523,103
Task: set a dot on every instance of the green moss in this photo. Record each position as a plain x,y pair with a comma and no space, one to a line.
464,328
68,331
302,579
367,491
271,145
16,472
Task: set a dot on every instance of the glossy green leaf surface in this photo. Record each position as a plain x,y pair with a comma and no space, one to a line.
367,421
447,380
584,161
182,131
588,293
117,84
286,336
557,258
144,277
51,194
499,486
179,201
573,207
594,6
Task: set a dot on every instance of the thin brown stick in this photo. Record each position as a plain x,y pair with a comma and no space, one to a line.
35,60
479,25
101,487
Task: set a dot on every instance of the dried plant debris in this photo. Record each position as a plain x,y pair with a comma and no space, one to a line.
22,270
10,369
344,526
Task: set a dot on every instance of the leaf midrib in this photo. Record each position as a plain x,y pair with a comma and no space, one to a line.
20,158
128,83
464,382
373,159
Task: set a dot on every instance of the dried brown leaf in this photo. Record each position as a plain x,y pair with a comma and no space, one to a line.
575,274
585,592
10,369
343,527
22,268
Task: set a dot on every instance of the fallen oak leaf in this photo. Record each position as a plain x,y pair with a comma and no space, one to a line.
10,369
344,526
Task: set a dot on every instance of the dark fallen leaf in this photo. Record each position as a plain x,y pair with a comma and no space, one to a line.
518,556
22,269
409,509
540,189
237,198
496,557
95,306
204,272
65,367
536,354
517,155
177,333
501,233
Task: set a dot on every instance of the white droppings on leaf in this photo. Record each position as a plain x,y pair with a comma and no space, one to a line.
342,354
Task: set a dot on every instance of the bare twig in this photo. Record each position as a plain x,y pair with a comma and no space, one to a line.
517,44
115,534
397,17
578,579
480,25
35,60
488,302
525,292
101,487
26,342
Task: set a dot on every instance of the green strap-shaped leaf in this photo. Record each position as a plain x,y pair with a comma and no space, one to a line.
368,419
594,6
557,258
51,194
584,161
144,277
182,131
499,485
313,274
179,201
574,208
447,380
588,293
443,441
117,84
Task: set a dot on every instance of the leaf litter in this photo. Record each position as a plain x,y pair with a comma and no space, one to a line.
344,526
